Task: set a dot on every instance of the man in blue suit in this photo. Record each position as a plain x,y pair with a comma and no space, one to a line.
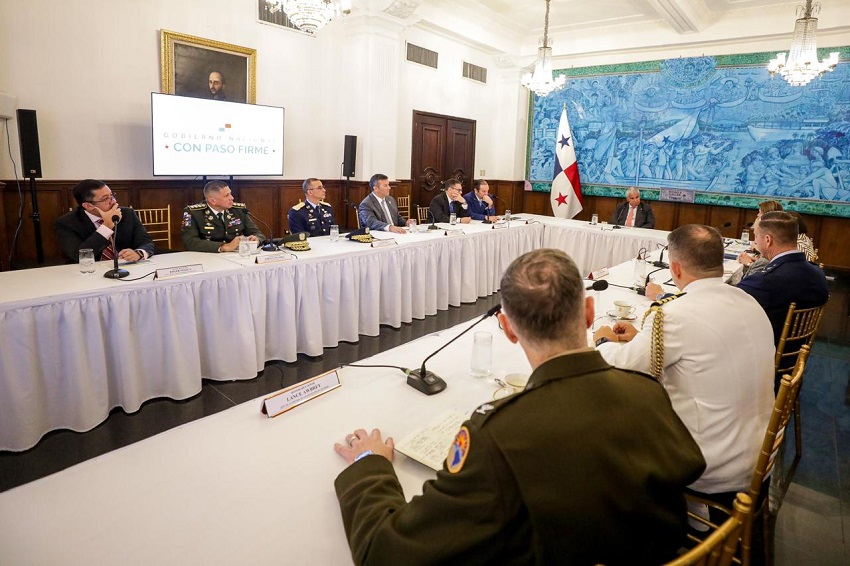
481,206
788,277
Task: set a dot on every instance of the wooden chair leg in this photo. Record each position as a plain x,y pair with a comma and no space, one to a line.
765,521
798,428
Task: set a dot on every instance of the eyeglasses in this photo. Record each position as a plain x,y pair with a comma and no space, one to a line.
104,200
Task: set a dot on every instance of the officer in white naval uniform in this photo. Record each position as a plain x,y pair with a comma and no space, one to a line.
714,355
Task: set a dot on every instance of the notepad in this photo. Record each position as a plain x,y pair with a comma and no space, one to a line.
430,444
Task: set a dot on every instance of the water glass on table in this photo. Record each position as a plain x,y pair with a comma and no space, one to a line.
334,233
481,363
86,261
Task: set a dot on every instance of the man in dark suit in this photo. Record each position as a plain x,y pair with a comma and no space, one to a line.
379,211
633,213
480,204
542,476
450,202
788,277
91,226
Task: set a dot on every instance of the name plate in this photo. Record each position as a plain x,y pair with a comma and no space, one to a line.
300,393
677,195
273,257
454,232
499,224
383,242
599,273
180,270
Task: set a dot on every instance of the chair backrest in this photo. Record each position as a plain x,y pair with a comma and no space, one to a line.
403,206
422,214
718,549
356,214
157,221
786,398
799,330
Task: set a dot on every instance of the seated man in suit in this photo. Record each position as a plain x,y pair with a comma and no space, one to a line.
217,224
633,213
314,215
91,226
481,206
379,211
450,202
543,476
788,277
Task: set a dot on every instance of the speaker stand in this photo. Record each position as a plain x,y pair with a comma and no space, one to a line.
346,203
36,221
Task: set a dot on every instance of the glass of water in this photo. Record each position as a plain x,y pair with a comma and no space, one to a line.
481,364
244,248
452,218
508,215
411,224
87,260
334,232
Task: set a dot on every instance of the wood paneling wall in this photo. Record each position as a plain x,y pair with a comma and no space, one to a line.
270,200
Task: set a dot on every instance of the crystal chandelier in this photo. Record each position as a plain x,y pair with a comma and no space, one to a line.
542,81
802,64
310,15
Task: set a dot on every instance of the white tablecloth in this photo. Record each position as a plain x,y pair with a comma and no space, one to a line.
75,346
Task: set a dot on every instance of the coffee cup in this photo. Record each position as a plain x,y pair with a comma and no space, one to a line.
623,309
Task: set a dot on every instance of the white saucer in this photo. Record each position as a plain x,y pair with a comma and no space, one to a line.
613,314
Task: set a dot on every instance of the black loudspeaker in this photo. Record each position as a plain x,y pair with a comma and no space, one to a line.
28,136
350,156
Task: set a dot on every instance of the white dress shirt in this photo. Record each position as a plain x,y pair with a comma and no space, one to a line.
718,371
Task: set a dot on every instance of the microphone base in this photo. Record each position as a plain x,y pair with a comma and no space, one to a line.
640,291
429,384
434,227
116,273
660,265
270,247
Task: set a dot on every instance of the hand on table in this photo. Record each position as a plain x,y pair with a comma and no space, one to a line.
624,331
396,229
130,255
361,441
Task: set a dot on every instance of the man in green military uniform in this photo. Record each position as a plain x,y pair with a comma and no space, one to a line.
216,224
587,465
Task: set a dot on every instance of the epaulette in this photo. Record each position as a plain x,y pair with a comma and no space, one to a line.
770,267
324,203
239,205
298,206
198,206
483,412
666,300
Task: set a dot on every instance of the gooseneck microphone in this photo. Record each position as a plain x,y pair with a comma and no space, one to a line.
648,275
430,383
660,263
268,244
600,285
115,272
433,225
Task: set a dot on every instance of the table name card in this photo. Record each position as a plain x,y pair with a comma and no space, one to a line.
178,271
273,257
499,224
384,242
300,393
599,273
454,232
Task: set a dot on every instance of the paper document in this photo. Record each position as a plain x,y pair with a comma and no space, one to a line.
430,444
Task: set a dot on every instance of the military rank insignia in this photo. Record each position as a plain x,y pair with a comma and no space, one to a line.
458,451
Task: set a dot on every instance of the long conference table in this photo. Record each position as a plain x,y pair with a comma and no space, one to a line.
238,487
75,346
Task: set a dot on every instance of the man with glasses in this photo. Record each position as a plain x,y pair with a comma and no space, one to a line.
217,224
313,216
450,202
586,465
91,226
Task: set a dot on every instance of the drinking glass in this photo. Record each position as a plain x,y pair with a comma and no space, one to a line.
86,260
453,218
334,233
244,248
412,225
481,364
508,215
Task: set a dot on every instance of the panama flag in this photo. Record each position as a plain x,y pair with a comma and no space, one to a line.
566,186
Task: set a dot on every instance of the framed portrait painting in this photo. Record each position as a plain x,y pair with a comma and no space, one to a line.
204,68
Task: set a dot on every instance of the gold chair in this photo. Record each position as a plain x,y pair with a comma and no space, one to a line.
422,213
403,206
774,438
799,330
157,221
719,548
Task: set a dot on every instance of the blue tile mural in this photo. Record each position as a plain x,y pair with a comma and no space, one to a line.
718,125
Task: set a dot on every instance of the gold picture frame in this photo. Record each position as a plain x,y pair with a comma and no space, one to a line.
187,64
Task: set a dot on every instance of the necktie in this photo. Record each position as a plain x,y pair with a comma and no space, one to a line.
387,217
107,251
630,221
451,207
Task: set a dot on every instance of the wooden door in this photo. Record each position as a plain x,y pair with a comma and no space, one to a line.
442,147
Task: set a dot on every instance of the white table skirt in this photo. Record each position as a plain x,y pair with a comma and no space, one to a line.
73,346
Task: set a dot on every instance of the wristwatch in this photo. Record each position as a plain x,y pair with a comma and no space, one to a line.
601,341
660,296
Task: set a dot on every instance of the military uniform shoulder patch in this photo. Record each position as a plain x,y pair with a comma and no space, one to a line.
323,203
198,206
298,206
458,451
239,205
187,219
